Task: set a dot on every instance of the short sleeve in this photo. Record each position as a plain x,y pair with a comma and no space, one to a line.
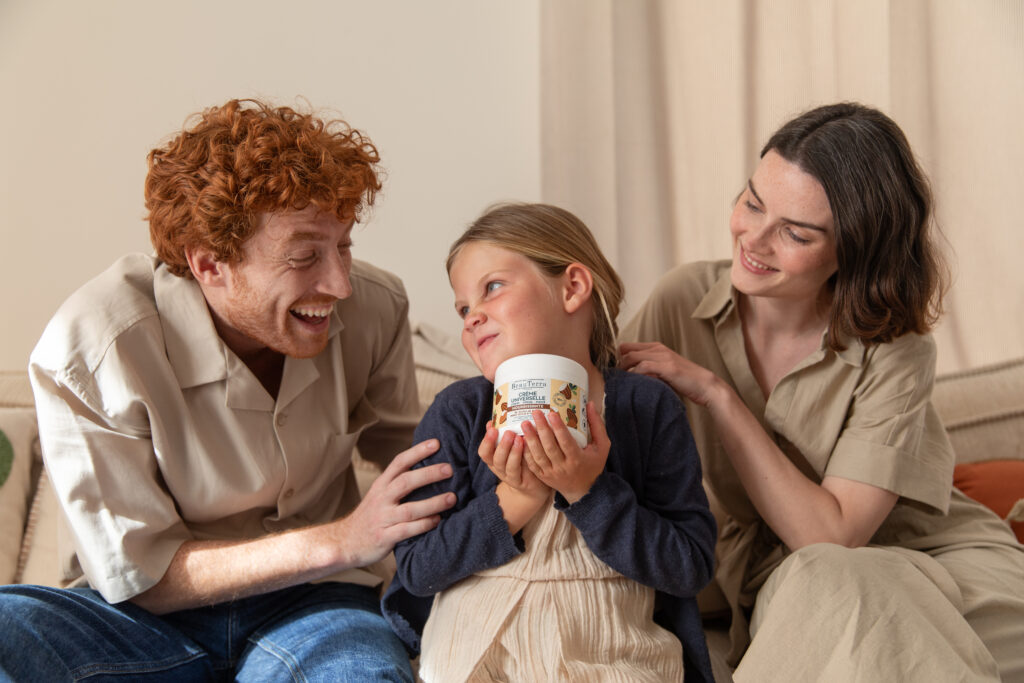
892,437
95,435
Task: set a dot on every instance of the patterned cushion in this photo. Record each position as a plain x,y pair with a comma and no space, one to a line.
19,441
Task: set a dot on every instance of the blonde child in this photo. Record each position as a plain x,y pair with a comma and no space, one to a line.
557,563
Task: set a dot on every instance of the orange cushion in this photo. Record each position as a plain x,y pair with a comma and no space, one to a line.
997,484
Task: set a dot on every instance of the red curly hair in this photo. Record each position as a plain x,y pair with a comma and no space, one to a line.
208,186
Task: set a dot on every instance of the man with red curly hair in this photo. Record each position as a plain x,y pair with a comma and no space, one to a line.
199,410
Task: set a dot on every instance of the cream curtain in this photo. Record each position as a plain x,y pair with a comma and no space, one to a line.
653,112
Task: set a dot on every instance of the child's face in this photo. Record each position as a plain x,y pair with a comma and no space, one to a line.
507,305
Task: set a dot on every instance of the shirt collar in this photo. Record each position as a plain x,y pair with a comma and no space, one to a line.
854,352
717,299
194,349
720,302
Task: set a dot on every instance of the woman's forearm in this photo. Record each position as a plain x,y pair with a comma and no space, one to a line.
799,510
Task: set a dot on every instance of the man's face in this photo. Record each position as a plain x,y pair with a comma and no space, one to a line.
281,294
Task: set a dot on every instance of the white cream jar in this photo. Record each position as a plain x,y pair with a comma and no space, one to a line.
541,381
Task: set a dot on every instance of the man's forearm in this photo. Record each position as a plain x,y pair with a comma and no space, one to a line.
210,572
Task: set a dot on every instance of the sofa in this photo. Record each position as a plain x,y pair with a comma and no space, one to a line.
982,408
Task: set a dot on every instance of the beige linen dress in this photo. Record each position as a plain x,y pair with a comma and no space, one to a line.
554,613
939,593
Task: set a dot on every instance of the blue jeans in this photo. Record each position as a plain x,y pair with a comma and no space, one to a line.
312,632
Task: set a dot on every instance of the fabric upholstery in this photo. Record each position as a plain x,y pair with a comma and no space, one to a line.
18,440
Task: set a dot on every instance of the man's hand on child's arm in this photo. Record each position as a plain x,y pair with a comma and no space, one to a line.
520,493
554,456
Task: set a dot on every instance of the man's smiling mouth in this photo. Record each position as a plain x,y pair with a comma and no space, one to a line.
313,315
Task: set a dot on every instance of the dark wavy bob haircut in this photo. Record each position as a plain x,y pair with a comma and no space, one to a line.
891,277
208,186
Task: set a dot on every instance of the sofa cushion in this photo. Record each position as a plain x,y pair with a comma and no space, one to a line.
983,411
18,444
41,561
998,484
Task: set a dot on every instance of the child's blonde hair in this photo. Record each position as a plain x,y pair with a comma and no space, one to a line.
553,238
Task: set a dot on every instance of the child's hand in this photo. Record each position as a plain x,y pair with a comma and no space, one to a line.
504,457
558,461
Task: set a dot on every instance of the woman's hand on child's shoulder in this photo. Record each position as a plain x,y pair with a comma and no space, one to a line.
554,456
656,360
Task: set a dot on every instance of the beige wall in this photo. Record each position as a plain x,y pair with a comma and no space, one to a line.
448,90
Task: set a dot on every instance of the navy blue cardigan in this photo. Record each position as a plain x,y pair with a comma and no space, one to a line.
646,516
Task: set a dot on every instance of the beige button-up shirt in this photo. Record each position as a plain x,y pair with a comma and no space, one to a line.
863,414
154,432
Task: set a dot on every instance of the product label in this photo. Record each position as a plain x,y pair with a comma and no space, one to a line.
514,402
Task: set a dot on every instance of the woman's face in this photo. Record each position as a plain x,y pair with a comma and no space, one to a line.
782,232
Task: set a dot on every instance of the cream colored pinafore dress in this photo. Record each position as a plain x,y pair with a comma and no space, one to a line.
554,613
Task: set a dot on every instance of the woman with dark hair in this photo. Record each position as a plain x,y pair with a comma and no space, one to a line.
807,369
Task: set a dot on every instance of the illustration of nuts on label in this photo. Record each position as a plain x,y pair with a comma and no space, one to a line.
572,420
